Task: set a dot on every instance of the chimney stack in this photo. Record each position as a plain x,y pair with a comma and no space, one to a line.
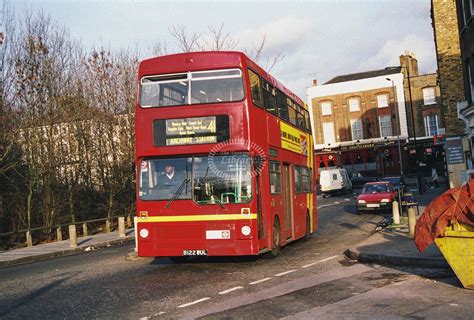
315,82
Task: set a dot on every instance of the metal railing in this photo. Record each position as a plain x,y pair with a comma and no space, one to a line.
72,230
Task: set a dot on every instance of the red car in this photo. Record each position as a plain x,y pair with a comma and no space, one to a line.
376,196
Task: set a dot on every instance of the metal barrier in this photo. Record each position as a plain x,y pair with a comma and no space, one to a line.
122,222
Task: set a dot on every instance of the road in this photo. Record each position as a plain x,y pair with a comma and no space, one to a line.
306,277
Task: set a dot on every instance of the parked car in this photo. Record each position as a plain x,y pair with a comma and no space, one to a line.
334,181
359,179
376,196
397,182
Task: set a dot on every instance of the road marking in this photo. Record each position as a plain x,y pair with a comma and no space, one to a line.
347,199
261,280
324,205
330,258
337,202
284,273
314,263
194,302
159,313
230,290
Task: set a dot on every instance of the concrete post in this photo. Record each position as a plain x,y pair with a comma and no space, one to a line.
72,235
121,227
29,240
107,225
59,234
411,222
136,233
85,232
395,212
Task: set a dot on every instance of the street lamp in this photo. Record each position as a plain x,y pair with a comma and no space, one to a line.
398,124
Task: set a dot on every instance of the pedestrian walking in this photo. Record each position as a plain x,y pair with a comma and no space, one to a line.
434,177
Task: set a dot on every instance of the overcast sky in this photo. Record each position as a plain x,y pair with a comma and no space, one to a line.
320,39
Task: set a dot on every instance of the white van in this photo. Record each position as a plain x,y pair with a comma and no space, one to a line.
334,181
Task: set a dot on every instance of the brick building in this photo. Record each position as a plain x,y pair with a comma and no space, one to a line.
446,27
354,118
424,148
448,54
466,36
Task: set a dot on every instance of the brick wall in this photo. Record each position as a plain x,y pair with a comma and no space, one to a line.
445,25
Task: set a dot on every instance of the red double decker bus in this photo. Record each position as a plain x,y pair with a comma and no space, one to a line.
224,158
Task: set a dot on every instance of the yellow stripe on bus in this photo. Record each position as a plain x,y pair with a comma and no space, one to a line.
209,217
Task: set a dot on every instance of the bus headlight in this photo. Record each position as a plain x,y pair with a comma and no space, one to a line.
144,233
361,201
245,230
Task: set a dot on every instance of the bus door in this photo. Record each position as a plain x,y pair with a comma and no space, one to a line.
287,193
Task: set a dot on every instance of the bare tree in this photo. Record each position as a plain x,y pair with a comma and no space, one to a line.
218,40
185,41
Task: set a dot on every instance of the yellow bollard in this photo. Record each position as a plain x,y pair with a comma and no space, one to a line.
72,235
121,224
85,233
411,222
395,212
59,234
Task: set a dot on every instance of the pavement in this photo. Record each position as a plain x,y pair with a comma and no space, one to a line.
389,246
393,246
63,248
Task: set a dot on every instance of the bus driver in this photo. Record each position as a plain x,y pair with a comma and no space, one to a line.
169,180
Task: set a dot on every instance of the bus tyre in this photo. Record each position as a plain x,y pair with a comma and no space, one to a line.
276,239
307,235
179,259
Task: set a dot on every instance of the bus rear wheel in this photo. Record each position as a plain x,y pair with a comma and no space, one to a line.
307,235
276,239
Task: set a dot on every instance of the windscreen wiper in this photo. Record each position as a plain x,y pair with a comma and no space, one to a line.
177,192
219,203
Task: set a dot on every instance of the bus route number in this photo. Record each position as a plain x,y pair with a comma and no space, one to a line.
194,252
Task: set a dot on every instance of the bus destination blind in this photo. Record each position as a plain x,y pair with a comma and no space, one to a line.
183,131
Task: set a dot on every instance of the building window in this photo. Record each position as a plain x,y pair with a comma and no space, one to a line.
431,125
382,100
385,126
326,107
470,80
356,128
354,104
328,132
472,8
429,96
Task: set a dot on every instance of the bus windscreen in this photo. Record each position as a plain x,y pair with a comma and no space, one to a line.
191,88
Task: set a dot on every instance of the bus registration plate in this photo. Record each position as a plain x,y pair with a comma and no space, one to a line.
194,252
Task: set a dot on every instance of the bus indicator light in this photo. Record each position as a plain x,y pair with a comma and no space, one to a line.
143,214
245,211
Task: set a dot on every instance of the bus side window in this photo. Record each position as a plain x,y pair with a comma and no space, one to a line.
255,88
307,119
269,97
291,111
298,178
282,107
300,118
